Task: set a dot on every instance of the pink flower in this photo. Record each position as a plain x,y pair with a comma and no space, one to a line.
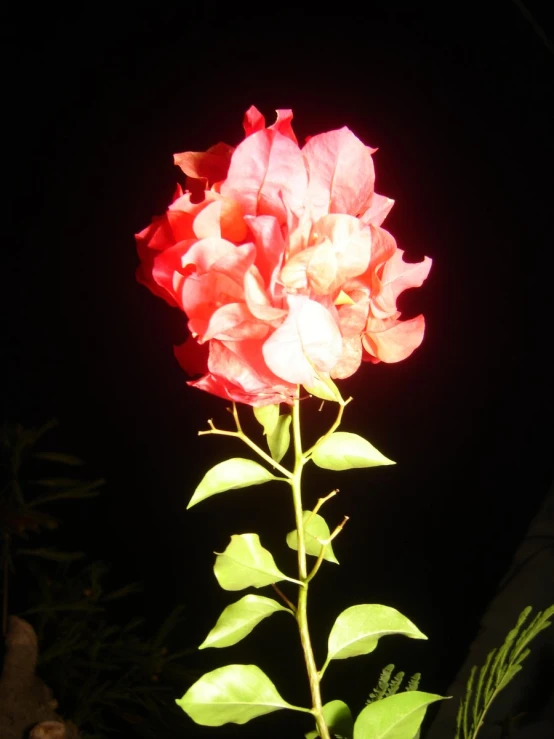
277,257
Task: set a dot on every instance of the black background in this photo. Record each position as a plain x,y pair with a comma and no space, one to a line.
456,97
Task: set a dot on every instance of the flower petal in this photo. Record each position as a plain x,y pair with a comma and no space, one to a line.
267,175
340,173
307,342
398,276
392,340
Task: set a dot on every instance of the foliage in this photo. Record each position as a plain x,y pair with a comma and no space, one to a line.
389,684
107,675
31,479
500,667
108,672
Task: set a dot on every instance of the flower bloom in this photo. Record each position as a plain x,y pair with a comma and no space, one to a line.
278,258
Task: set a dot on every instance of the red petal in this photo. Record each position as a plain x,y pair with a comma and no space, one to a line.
192,356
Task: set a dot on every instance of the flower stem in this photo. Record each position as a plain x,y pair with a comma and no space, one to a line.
302,607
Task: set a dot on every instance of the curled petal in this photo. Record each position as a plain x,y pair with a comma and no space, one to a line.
168,272
397,276
392,340
258,300
207,166
255,121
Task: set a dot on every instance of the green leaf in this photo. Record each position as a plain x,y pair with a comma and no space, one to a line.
338,718
278,440
246,563
239,619
396,717
232,694
315,527
358,629
325,389
344,451
230,475
267,416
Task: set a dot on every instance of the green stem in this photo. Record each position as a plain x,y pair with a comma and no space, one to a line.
302,607
260,452
333,428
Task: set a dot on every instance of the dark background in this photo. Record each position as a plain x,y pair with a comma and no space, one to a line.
456,97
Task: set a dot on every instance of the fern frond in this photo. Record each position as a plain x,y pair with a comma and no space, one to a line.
395,684
500,667
413,682
380,689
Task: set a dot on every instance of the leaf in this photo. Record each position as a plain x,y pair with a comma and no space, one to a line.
51,554
55,482
278,440
232,694
239,619
324,388
396,717
59,457
338,718
358,629
77,493
344,451
267,416
246,563
131,589
230,475
501,666
315,527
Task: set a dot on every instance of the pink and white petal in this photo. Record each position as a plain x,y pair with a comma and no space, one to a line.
353,317
398,276
257,299
309,339
206,252
350,359
322,268
234,322
283,124
351,241
294,274
270,246
267,175
207,223
340,173
392,340
239,367
378,210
